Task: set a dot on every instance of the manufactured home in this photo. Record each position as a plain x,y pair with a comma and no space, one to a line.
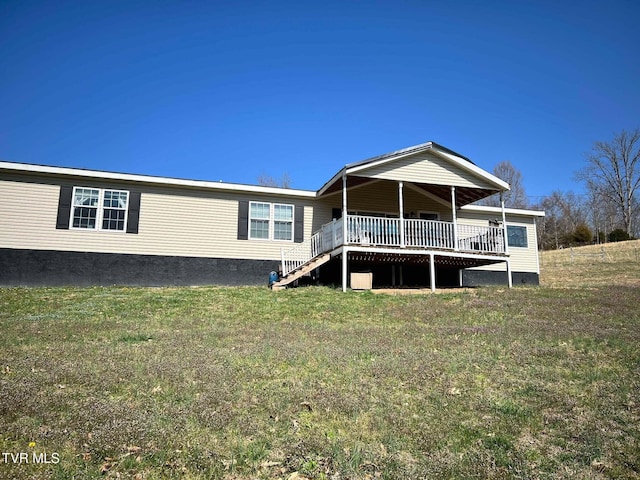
407,217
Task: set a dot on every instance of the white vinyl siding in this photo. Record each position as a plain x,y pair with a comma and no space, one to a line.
427,168
523,259
174,221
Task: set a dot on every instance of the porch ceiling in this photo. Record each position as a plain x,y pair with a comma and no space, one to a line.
464,195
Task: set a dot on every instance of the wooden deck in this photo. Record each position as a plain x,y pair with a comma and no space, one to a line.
368,235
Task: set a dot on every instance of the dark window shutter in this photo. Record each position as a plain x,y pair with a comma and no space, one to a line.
64,208
133,217
336,213
243,220
298,228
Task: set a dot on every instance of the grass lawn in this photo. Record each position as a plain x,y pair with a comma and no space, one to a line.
246,383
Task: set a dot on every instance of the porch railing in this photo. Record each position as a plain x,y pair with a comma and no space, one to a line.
389,232
475,238
380,231
332,235
429,233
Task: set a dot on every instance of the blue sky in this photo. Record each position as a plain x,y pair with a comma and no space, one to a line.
232,90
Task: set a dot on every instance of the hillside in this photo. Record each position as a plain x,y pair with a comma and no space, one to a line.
592,265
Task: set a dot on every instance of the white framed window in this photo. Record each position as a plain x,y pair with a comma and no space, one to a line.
84,212
282,222
517,236
270,221
99,209
114,212
259,219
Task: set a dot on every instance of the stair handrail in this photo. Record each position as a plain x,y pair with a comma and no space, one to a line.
328,237
302,253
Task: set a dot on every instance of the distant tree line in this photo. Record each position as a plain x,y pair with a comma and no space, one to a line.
609,211
265,180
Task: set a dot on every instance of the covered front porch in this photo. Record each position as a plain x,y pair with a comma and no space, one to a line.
394,241
405,205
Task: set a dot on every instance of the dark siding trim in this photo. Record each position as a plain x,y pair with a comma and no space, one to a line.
57,268
64,208
133,216
298,228
243,220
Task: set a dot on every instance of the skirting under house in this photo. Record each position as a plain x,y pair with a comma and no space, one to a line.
54,268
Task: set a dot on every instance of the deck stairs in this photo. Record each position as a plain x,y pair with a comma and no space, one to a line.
301,271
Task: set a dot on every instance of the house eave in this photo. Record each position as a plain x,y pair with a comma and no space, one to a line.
149,179
508,211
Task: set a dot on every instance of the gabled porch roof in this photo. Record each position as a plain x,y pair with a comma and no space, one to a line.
436,174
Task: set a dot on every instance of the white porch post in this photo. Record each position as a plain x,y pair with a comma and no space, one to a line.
401,205
345,233
432,272
504,226
455,221
509,279
344,267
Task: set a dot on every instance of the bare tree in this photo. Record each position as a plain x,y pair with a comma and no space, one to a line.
517,196
613,172
564,213
603,215
265,180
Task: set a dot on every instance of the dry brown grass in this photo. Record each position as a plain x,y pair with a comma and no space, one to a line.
593,265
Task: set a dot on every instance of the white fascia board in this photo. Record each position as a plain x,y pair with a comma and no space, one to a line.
336,177
470,167
508,211
178,182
